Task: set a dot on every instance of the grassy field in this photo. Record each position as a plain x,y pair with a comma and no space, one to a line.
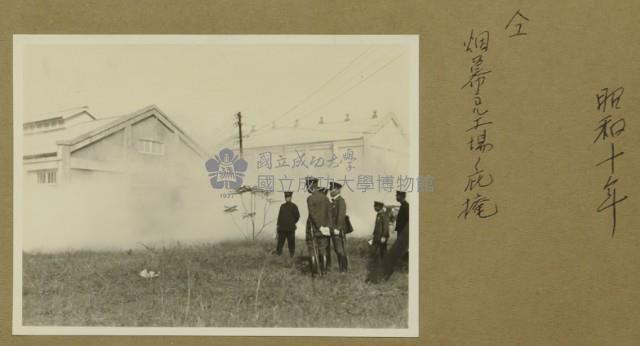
233,284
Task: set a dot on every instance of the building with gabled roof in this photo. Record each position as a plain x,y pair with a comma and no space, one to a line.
76,142
113,182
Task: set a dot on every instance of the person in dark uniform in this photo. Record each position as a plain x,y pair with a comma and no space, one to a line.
383,270
288,216
380,232
325,191
338,224
402,219
399,251
318,222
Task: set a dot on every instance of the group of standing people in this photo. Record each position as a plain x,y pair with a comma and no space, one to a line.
328,224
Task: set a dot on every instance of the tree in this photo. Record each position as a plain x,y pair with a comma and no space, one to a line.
256,196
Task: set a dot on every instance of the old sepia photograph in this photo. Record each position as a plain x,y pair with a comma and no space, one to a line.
216,185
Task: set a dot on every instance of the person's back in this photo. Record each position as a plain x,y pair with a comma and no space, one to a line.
288,216
318,205
318,223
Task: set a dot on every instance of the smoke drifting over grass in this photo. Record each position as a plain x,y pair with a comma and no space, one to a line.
106,210
158,202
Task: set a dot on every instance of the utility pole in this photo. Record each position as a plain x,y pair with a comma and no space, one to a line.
239,123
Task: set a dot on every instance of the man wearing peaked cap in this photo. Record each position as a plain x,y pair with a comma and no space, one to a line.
398,253
288,217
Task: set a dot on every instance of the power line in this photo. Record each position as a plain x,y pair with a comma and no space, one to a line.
362,80
358,74
355,85
225,129
226,139
319,88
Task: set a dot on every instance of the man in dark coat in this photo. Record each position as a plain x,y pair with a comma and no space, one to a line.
325,191
399,251
338,224
380,232
318,222
402,219
378,244
382,271
288,216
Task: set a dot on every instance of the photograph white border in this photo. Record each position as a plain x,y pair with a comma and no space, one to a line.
19,41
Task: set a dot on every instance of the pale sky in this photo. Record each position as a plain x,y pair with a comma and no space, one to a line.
202,86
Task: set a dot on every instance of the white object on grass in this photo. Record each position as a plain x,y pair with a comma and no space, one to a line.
149,274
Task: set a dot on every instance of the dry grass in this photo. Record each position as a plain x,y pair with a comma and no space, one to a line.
233,284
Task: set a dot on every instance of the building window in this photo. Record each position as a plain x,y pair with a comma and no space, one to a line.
149,146
47,177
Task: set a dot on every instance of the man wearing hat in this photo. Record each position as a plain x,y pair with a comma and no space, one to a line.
398,253
288,216
380,232
339,225
318,222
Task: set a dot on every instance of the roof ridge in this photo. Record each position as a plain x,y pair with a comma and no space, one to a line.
60,113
